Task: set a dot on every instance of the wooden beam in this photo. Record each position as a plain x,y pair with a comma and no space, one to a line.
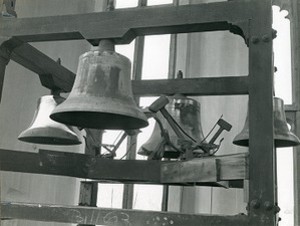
105,216
193,172
210,169
52,75
88,193
235,85
262,186
79,165
124,25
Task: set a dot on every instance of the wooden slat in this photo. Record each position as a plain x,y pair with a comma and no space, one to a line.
211,169
124,25
192,86
189,171
233,166
126,171
104,216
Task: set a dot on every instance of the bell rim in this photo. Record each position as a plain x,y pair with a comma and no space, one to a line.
280,141
98,119
95,108
39,135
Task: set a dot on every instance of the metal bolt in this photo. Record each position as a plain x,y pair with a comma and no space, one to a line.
255,204
254,39
268,205
276,209
265,38
274,33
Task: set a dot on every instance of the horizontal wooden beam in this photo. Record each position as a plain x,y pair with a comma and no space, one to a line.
124,25
201,171
105,216
56,77
235,85
52,75
79,165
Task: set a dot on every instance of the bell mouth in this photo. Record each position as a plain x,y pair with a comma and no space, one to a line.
98,120
49,136
280,141
87,111
244,143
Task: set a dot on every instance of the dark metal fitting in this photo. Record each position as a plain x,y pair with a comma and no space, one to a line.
254,39
268,205
274,33
266,38
255,204
276,209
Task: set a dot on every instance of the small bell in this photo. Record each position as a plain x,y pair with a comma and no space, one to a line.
186,112
43,130
101,96
282,135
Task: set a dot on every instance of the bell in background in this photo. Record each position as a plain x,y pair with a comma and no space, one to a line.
186,112
282,135
43,130
101,96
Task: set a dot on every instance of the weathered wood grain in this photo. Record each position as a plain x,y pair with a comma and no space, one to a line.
210,169
229,85
124,25
202,171
262,186
120,217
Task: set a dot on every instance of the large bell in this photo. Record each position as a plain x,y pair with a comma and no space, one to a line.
283,137
101,96
186,112
43,130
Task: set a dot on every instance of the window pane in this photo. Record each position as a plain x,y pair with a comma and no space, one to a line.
285,175
156,57
159,2
147,197
110,195
126,4
282,56
283,89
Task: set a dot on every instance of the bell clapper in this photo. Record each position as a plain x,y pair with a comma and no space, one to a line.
184,146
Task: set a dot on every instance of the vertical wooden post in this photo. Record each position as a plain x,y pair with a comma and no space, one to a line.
262,168
88,195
